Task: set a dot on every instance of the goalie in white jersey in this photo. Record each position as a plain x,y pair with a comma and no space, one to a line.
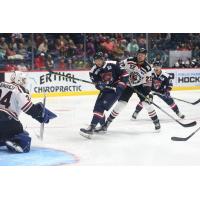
14,98
140,82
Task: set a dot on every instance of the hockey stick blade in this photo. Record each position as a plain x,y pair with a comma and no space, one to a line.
186,138
179,139
196,102
188,125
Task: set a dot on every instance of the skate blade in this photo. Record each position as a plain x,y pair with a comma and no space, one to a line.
157,131
85,135
133,119
100,132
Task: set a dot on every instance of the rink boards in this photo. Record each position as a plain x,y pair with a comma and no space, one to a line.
55,85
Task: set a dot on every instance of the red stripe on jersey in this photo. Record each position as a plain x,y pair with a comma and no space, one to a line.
18,87
28,107
25,105
125,74
122,83
12,114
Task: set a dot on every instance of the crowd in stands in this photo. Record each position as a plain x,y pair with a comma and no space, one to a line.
75,50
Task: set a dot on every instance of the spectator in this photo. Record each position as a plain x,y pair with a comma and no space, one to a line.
49,62
62,64
40,62
108,45
132,47
21,50
3,44
142,41
43,47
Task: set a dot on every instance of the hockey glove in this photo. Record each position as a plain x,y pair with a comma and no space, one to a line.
120,88
100,85
36,112
47,115
167,94
149,98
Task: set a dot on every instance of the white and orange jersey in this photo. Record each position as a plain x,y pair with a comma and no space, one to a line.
138,74
14,99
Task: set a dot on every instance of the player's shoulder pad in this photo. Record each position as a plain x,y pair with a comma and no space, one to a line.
20,88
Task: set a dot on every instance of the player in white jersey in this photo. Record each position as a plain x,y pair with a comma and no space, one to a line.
14,98
140,82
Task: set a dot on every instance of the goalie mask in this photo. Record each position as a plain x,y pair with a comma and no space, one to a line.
19,77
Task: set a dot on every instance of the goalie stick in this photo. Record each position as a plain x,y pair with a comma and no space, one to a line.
41,135
185,138
193,103
184,125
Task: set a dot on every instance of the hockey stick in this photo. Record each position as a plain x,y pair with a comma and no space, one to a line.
66,76
193,103
42,124
77,79
186,138
184,125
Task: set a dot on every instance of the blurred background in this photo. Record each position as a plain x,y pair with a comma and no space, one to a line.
74,51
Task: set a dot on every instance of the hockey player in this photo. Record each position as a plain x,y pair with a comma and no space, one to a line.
140,81
14,98
161,85
111,80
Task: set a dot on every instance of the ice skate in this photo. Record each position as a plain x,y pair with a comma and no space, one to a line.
87,132
157,125
180,115
103,129
134,116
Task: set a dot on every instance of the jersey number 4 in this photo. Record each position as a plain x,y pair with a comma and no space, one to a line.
5,100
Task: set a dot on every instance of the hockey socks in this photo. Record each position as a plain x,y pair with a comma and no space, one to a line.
98,118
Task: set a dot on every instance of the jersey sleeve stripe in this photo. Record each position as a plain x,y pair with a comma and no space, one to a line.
26,105
12,114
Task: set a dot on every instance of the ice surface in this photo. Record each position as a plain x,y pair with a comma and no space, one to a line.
127,142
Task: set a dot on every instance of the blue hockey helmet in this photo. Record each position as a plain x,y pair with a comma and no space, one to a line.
98,55
157,64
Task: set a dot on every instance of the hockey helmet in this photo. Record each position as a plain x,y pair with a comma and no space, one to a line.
142,50
157,64
98,55
19,77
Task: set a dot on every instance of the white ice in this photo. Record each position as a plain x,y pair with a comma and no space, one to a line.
127,142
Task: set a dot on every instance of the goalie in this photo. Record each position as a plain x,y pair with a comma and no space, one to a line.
14,98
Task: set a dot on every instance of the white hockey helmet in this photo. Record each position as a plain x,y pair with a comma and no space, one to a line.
19,77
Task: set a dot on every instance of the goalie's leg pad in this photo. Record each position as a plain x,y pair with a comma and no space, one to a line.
22,140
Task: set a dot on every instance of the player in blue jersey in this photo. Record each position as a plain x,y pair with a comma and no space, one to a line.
161,86
111,79
140,81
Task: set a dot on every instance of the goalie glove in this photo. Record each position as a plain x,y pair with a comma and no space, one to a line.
36,112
